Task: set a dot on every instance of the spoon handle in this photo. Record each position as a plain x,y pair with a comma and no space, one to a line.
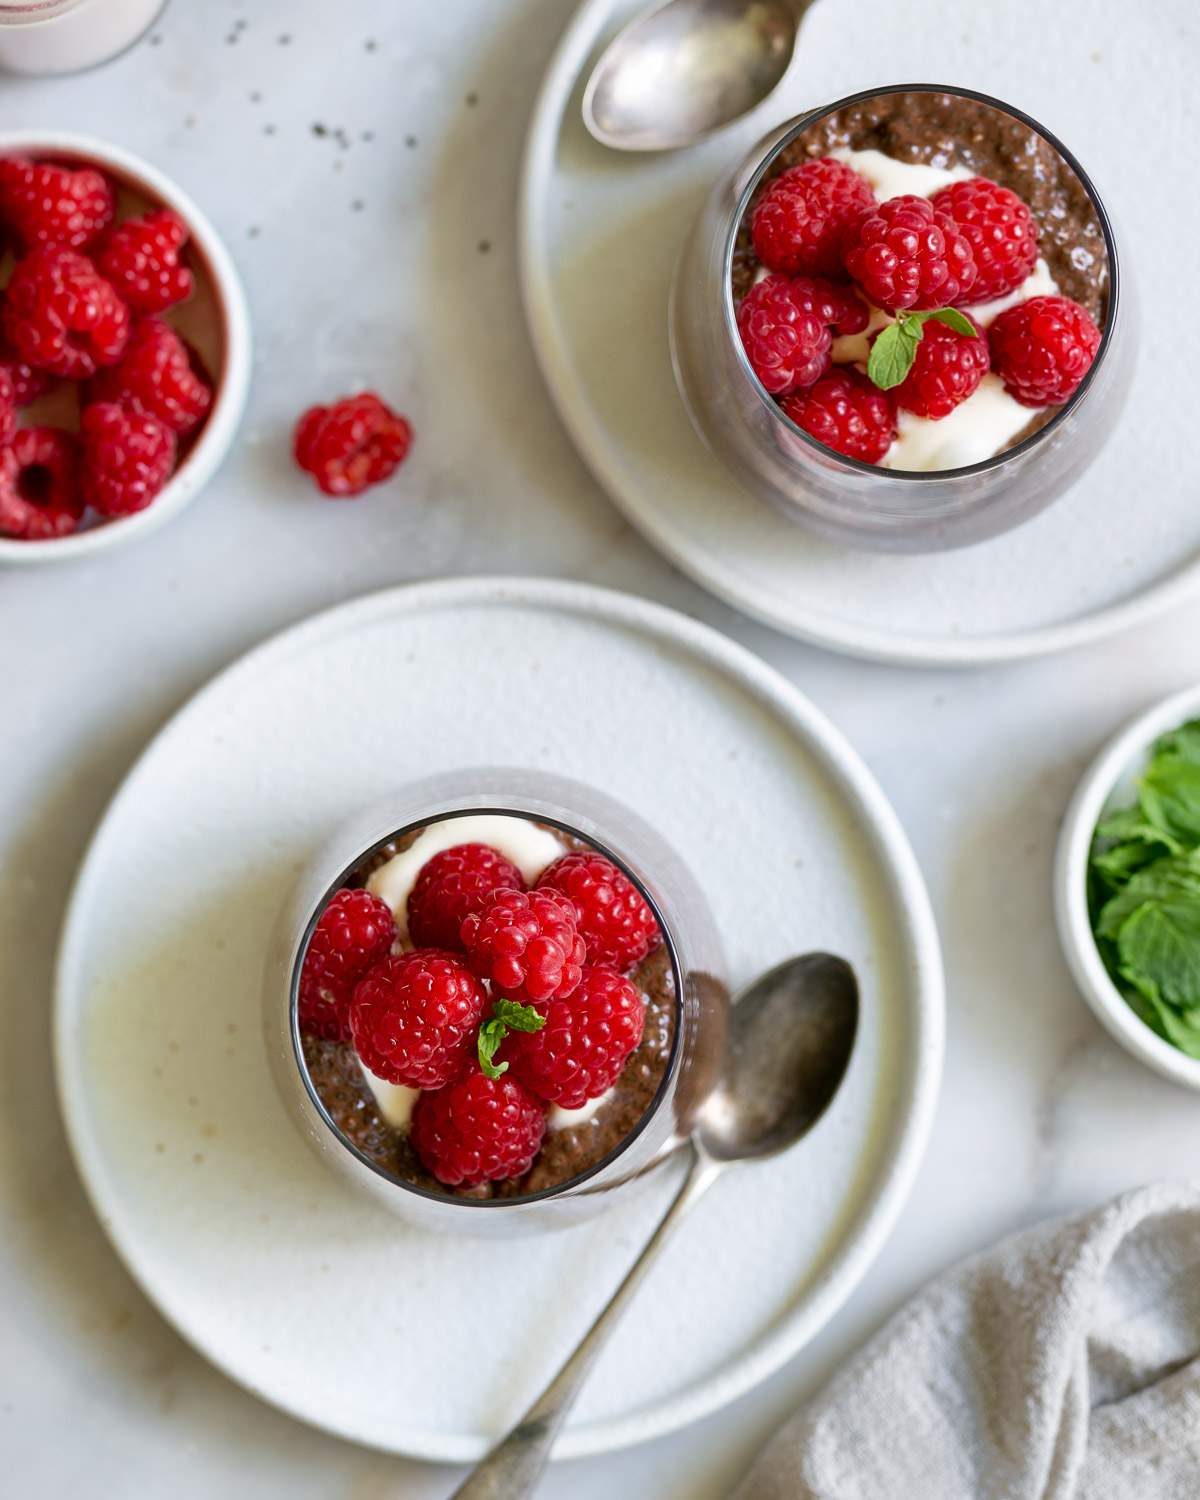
512,1469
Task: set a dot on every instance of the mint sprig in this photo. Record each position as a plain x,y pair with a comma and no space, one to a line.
507,1015
894,350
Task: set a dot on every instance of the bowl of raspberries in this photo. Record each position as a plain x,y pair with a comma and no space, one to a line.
474,1001
124,347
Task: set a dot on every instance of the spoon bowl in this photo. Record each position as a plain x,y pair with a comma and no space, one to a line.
687,68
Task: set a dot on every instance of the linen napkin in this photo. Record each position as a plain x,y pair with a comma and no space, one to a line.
1064,1364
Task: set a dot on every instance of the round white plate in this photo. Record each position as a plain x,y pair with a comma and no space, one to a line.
600,234
318,1301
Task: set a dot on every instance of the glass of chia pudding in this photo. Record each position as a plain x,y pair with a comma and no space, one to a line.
493,999
902,319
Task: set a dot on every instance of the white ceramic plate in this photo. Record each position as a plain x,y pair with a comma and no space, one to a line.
600,236
318,1301
1110,782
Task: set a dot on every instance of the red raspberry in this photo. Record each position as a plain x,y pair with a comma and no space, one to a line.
451,886
477,1130
414,1016
798,223
39,494
846,412
158,374
947,369
1043,348
356,442
126,458
585,1042
354,931
47,204
528,945
785,341
8,405
61,316
141,259
903,253
27,383
834,302
1002,232
615,920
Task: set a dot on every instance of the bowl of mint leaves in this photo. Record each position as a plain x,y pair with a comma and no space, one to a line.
1128,888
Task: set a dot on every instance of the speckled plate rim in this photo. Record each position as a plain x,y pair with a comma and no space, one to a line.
918,948
598,446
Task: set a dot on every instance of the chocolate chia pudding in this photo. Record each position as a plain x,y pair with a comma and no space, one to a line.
575,1138
948,130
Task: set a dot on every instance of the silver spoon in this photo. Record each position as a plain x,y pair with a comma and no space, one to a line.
685,68
790,1039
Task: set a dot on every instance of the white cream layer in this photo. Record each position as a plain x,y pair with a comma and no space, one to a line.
393,1100
988,420
563,1119
529,847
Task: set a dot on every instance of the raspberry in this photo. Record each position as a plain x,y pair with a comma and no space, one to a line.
798,223
157,374
846,412
45,204
834,302
356,442
8,405
528,945
477,1130
39,494
947,369
903,253
354,932
451,886
585,1042
61,316
1043,348
27,383
1002,232
126,458
413,1018
615,920
141,259
786,342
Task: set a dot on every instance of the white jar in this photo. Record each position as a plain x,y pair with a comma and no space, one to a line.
62,36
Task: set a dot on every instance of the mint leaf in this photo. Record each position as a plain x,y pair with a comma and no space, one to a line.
1169,794
892,354
1171,882
952,319
1181,744
518,1017
1126,843
507,1015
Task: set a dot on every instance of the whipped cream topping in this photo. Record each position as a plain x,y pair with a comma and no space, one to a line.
520,840
563,1119
890,178
393,1100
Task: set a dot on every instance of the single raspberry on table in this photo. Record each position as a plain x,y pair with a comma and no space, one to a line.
846,412
615,920
354,932
159,374
585,1043
47,204
356,442
141,257
1003,234
451,886
477,1130
61,316
798,223
786,342
527,944
905,254
39,490
946,369
125,459
1042,349
414,1016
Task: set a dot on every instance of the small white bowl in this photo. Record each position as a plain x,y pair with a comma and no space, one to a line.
219,325
1108,784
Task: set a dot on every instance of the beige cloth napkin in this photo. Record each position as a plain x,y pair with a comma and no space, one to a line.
1063,1363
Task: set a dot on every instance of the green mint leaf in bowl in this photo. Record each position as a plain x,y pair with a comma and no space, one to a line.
1169,794
895,347
1182,743
507,1015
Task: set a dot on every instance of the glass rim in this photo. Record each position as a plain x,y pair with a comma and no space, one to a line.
447,1196
920,476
